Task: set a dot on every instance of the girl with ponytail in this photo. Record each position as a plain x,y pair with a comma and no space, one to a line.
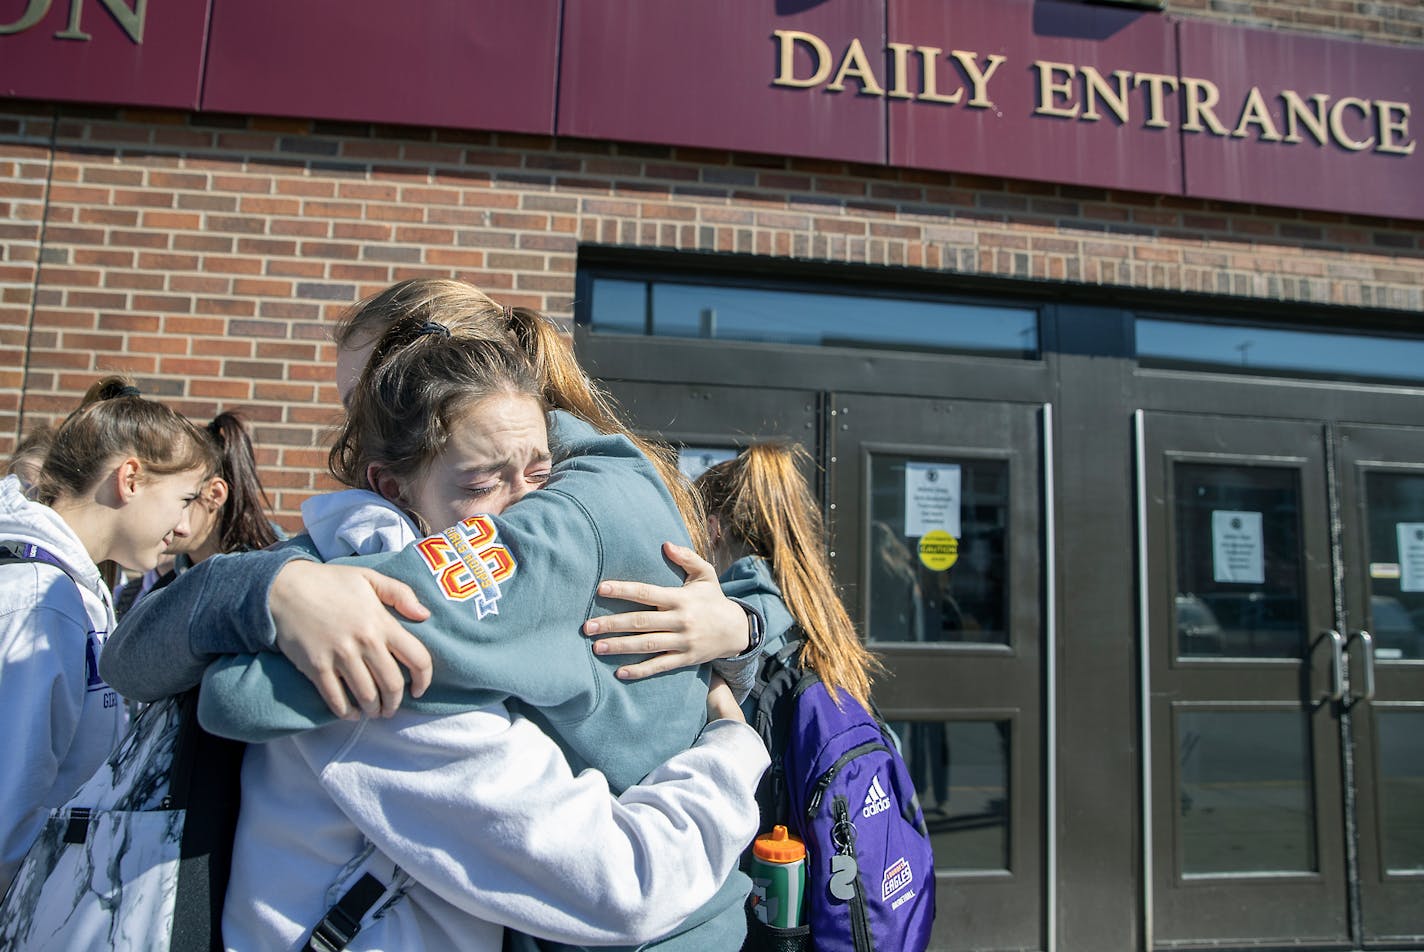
117,483
769,543
233,505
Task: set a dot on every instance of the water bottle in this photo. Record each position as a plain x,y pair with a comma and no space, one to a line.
778,872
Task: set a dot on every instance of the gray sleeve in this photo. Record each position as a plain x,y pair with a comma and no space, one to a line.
217,607
740,671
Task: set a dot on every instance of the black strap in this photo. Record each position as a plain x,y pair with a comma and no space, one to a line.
774,695
31,552
127,596
342,921
76,831
205,780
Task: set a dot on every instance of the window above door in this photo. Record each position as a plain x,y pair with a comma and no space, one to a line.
1255,349
805,315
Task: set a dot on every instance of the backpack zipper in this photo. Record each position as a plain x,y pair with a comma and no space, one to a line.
827,778
859,919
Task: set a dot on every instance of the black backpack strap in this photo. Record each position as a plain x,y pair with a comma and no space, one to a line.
777,675
778,678
789,651
206,781
342,921
127,596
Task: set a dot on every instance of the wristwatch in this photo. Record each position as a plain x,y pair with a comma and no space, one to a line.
756,629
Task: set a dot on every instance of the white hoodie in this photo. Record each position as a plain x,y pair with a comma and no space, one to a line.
60,719
356,522
483,813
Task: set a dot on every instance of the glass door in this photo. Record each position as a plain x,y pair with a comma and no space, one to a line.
938,521
1382,489
1243,684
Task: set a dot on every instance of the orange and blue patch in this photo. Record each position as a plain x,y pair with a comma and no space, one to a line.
469,563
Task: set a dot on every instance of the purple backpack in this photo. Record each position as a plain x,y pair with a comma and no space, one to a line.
838,782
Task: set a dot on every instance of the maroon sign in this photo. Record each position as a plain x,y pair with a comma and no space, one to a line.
103,51
690,72
474,64
1042,90
1282,119
1029,89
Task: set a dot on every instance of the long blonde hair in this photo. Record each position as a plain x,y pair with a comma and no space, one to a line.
761,500
393,316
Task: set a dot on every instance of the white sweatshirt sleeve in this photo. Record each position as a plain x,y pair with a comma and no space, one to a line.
492,820
41,697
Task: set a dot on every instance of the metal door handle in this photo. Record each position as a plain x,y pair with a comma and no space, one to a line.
1337,667
1368,641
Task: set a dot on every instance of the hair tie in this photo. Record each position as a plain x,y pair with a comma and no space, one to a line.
129,391
433,327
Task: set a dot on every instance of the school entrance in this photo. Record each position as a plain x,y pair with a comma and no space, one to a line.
1149,584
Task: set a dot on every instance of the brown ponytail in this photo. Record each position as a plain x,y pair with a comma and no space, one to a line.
761,499
115,420
568,387
394,317
244,524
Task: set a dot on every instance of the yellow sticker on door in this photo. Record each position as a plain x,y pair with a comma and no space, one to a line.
938,550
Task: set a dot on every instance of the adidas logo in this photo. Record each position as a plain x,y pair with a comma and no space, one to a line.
875,801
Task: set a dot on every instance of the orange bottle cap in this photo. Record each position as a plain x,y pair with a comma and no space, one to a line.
778,846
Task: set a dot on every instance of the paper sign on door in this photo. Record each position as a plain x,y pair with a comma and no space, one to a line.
1411,556
1237,554
931,498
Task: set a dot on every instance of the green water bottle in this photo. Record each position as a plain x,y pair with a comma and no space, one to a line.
779,878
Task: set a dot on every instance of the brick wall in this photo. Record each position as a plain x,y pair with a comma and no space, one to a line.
1400,21
208,256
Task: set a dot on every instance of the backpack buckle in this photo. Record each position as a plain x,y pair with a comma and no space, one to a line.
342,921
